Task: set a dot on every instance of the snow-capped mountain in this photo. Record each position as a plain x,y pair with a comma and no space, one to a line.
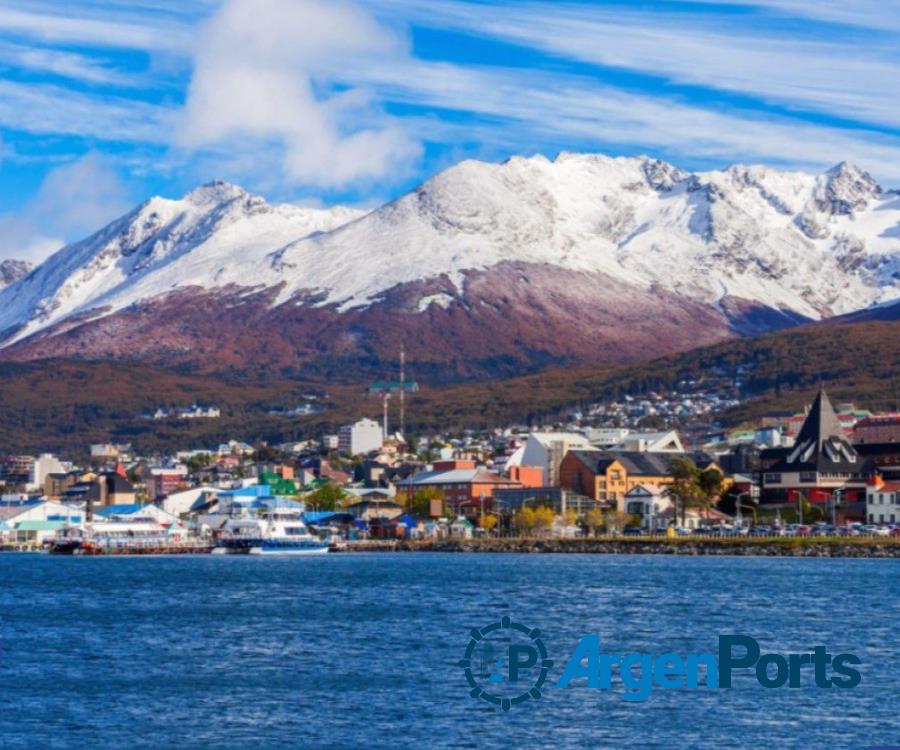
13,270
582,257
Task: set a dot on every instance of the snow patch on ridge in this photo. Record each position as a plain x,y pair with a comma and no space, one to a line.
812,245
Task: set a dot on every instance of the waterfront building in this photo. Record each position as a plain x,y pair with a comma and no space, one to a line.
821,467
606,476
464,484
882,501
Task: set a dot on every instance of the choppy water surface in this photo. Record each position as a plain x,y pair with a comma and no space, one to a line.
357,651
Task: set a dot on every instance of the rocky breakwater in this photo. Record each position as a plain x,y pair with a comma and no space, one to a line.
792,547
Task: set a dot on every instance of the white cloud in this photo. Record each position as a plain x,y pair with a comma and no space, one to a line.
62,63
61,25
43,108
835,76
263,75
881,15
73,201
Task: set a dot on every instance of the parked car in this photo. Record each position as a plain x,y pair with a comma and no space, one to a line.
632,531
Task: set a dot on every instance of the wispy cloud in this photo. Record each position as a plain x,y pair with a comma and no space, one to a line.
62,63
48,109
880,15
842,78
96,28
344,97
73,200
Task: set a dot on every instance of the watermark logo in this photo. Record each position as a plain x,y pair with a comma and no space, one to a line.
505,663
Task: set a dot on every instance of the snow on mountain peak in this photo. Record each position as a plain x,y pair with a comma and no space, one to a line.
215,193
815,245
847,188
13,270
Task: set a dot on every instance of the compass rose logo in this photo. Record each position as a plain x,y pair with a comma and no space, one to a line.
505,663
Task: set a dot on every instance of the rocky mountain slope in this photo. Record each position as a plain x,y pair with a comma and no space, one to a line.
484,269
13,270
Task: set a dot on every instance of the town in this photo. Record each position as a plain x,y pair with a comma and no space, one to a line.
831,469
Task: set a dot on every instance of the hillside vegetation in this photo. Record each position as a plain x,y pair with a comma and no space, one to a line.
63,405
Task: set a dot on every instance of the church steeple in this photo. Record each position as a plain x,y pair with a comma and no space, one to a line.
821,423
821,444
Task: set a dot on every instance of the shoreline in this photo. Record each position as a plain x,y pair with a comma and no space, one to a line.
766,547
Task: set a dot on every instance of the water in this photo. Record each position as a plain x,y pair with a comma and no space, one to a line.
359,651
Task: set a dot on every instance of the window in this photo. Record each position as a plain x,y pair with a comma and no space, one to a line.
773,479
615,475
808,477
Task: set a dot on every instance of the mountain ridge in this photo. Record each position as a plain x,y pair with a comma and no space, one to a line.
483,262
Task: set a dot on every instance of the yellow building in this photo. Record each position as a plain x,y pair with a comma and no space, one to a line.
608,476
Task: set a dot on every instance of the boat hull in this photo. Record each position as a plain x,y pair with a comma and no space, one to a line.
269,547
269,550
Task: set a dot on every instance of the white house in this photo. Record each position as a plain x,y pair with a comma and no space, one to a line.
546,450
650,502
34,522
883,502
179,503
43,465
667,441
360,438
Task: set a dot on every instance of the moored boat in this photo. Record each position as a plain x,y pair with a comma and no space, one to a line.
272,529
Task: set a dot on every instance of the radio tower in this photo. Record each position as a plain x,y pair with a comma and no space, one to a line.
403,390
386,389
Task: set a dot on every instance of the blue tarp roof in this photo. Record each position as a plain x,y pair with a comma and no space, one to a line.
254,490
317,516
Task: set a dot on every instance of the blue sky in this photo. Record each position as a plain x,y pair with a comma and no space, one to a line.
104,103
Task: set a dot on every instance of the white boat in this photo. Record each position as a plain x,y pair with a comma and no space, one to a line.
277,532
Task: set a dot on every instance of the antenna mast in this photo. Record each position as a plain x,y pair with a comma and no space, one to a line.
402,390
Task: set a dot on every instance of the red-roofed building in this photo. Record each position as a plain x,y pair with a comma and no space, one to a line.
878,428
463,483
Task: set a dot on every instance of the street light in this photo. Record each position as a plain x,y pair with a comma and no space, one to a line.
738,517
835,495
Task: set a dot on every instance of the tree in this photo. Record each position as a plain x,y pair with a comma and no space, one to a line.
571,517
488,522
594,520
711,484
420,505
543,519
327,497
685,490
615,520
524,519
